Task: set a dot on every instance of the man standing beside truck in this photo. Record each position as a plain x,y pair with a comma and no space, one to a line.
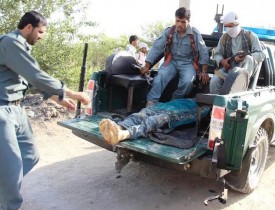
18,71
239,42
182,45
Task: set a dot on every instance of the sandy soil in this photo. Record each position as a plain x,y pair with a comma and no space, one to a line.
75,174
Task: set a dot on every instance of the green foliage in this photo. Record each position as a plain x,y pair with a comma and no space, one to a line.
102,46
12,10
152,31
60,53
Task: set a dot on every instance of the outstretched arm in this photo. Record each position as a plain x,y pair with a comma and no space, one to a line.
71,95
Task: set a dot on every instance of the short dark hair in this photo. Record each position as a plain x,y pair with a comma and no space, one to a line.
133,38
182,12
32,17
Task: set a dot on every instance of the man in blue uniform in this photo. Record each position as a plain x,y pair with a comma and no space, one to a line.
180,59
18,71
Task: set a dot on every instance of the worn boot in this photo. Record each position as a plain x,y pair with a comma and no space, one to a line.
111,132
105,130
118,133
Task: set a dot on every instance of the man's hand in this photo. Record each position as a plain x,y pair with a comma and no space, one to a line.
79,96
66,102
240,57
204,78
225,64
146,69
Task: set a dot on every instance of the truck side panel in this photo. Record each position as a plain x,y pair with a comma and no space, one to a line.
246,112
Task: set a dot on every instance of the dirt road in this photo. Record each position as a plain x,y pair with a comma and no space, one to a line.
75,174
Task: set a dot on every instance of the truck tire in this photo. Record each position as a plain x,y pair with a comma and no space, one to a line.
248,178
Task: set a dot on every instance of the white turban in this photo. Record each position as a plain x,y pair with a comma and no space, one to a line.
141,45
230,17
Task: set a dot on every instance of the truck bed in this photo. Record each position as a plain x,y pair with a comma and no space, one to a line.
87,128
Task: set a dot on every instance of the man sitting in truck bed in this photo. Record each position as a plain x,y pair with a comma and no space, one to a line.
235,41
162,117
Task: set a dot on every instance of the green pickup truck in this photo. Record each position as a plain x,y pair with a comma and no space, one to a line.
233,140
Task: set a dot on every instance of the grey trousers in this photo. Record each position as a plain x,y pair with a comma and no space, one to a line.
216,82
18,154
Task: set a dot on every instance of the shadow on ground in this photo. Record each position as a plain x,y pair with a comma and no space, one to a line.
90,182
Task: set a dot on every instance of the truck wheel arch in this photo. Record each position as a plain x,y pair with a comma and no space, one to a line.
253,165
266,122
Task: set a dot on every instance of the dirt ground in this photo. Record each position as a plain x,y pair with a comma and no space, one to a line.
75,174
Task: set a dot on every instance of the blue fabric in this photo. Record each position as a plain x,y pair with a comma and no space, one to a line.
187,75
18,154
171,114
181,47
181,62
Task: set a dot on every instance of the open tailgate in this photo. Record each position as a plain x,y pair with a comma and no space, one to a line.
87,128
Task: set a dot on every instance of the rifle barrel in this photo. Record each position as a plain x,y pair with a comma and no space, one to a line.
82,78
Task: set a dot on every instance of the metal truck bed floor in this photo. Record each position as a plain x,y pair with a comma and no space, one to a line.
89,126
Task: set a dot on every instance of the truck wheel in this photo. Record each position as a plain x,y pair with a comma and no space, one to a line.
248,178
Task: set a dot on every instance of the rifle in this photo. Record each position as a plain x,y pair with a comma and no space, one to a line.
240,54
82,78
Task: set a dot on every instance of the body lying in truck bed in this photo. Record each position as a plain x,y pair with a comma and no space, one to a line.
88,129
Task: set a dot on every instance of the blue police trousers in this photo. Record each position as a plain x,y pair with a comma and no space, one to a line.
18,154
187,75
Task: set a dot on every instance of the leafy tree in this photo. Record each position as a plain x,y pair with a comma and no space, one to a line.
58,53
152,31
12,10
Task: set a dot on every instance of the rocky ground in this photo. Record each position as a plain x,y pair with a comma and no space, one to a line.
38,109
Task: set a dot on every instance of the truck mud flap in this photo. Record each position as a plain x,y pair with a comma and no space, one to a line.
87,129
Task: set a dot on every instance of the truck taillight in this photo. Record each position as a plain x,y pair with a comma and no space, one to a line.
216,125
90,92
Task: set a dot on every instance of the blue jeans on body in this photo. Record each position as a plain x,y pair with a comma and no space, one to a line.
18,154
187,75
171,115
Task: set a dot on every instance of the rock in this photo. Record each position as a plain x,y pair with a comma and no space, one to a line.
31,113
39,109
